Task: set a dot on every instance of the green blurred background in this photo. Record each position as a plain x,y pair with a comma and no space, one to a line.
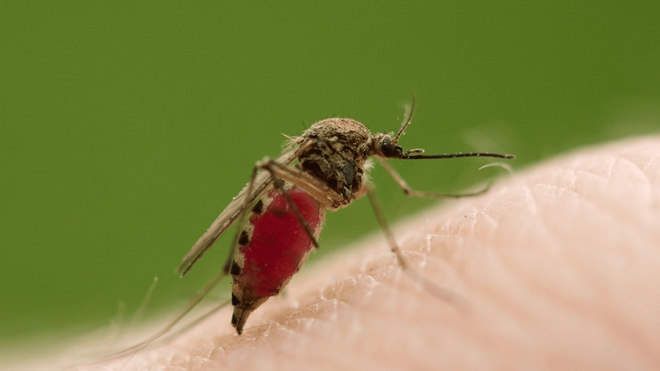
126,128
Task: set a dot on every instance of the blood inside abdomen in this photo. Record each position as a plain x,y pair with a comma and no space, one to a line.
279,244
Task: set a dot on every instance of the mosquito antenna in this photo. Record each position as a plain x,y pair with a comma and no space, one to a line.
415,154
406,121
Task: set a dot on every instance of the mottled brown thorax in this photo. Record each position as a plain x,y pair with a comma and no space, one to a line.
338,155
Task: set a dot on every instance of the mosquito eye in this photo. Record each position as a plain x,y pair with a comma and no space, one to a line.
388,149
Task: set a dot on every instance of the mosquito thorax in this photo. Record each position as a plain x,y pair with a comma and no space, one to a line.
338,155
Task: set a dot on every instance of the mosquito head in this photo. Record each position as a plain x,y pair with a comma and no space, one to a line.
385,145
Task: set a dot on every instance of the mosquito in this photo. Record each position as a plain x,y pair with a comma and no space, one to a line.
280,212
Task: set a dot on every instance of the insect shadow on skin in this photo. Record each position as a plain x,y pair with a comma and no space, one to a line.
280,212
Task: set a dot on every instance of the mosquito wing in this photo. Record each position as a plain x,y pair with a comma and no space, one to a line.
228,216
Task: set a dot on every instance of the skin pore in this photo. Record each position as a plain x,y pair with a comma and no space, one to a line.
558,266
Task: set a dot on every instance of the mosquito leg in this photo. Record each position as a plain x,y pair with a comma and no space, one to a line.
375,205
209,286
439,292
191,304
411,192
278,184
206,289
268,165
232,212
316,188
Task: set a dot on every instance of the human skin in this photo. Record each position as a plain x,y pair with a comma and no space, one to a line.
558,267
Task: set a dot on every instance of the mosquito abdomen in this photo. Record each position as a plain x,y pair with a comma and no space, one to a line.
273,247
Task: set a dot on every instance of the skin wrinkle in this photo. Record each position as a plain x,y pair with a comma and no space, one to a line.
632,227
649,163
514,309
613,165
512,267
576,306
648,189
599,210
559,269
621,164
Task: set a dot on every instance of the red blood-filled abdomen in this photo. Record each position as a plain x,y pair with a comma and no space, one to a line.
279,245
